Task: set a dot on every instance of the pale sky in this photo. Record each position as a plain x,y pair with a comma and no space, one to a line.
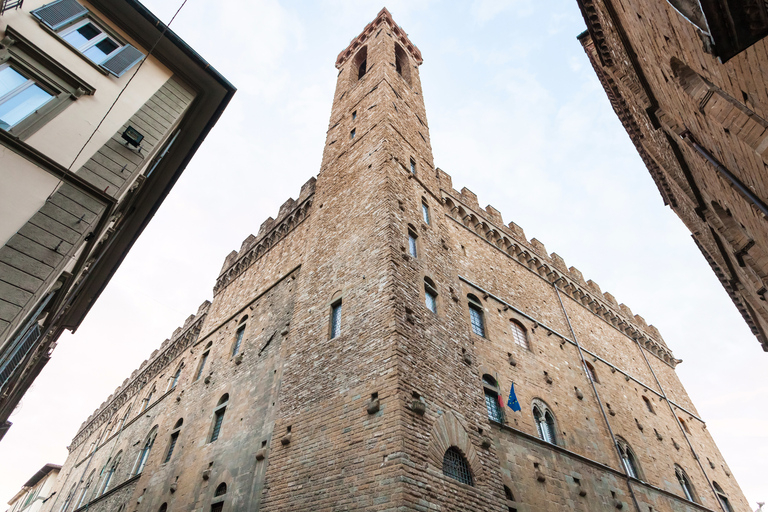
516,115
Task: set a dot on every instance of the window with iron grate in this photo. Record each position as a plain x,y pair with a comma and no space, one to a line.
455,466
519,334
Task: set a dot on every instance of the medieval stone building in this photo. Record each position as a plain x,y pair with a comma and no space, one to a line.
687,79
360,350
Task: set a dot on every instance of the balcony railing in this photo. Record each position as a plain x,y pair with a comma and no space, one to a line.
7,5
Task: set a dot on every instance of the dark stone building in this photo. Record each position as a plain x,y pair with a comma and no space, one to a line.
687,79
359,351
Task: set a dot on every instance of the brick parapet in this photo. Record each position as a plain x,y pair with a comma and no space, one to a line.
552,268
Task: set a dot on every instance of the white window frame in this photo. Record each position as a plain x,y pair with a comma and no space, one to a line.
63,33
21,88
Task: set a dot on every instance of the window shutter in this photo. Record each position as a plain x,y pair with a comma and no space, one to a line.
125,58
59,13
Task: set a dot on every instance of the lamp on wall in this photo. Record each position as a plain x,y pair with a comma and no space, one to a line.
132,136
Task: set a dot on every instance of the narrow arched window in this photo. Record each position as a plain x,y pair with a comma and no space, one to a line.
628,458
141,462
430,294
508,494
492,404
238,338
172,441
68,500
335,318
685,484
455,466
519,334
175,378
87,487
648,405
163,508
722,498
590,371
148,399
203,360
401,63
111,472
361,62
545,422
425,211
218,416
476,315
412,236
221,490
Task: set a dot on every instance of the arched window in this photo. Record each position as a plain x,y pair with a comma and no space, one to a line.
476,315
174,438
360,64
402,65
412,236
648,404
628,458
144,453
425,211
590,371
455,465
545,422
221,490
335,318
84,494
203,360
111,472
239,337
175,379
148,399
685,484
508,494
163,507
722,497
684,425
519,334
218,416
430,294
68,500
491,391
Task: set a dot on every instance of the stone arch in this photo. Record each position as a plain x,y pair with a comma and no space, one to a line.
448,431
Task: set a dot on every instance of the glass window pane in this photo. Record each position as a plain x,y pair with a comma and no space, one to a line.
476,317
10,79
99,52
335,320
431,301
492,405
82,35
412,244
22,104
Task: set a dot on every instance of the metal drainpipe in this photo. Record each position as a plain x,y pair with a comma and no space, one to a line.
597,395
741,187
682,430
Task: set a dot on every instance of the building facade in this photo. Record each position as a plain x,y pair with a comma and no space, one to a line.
37,491
359,351
101,108
687,79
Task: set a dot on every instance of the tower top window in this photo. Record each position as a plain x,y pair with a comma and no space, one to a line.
360,63
402,64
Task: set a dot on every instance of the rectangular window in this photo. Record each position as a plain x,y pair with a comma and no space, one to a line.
493,407
217,424
425,212
335,319
476,317
20,96
431,298
412,243
79,28
352,134
354,115
171,446
238,340
413,166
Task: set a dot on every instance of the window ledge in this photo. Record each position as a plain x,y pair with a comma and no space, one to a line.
109,492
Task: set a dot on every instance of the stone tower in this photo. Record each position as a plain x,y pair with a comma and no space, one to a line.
358,353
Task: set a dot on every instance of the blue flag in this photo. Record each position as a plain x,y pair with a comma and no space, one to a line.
512,403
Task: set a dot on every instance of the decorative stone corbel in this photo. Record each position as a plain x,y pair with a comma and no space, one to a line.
239,358
206,474
261,454
579,394
418,407
373,406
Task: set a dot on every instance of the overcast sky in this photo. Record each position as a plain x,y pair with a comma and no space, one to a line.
516,115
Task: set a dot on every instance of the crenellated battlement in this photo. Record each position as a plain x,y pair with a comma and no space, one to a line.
291,214
488,223
182,338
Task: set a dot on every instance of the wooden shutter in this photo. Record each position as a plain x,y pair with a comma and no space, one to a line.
59,13
125,58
